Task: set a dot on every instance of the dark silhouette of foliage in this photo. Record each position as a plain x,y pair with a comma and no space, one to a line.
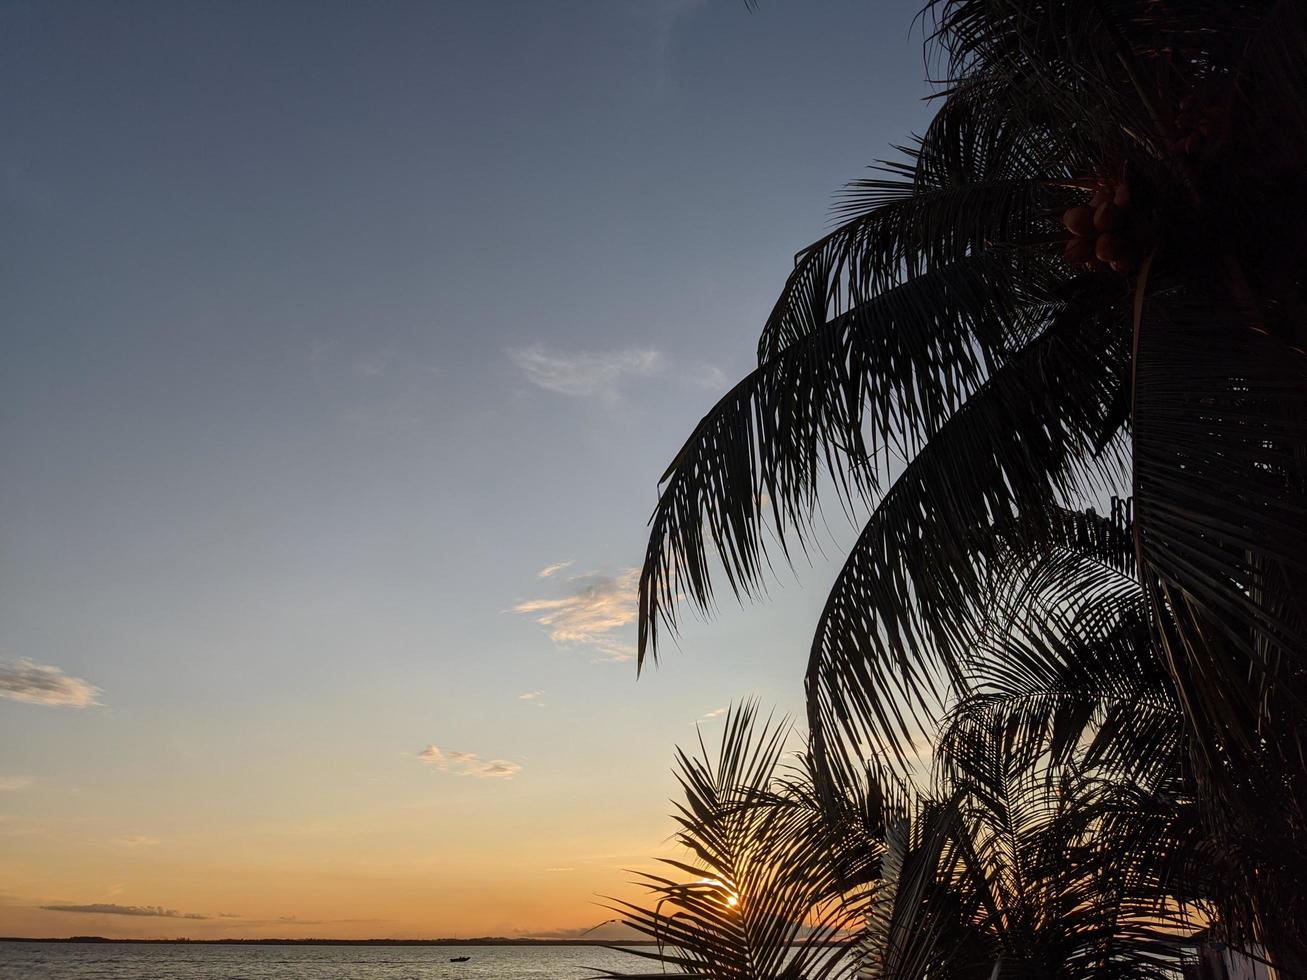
1083,281
1018,871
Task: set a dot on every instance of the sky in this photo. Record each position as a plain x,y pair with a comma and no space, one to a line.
344,346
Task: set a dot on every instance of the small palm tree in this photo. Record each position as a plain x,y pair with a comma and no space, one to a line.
1009,874
759,902
1081,281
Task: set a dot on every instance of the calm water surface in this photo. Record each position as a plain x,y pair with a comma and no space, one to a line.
89,961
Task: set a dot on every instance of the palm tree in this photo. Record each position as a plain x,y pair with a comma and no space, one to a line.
1007,873
1081,281
1056,839
759,902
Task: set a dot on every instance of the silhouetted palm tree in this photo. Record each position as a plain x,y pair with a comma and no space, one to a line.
759,900
1084,279
1010,871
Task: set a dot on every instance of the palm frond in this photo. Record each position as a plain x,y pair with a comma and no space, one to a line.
904,360
903,230
933,325
755,902
898,619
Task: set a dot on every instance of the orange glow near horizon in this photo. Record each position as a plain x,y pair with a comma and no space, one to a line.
215,902
461,864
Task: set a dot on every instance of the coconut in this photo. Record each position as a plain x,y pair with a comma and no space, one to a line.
1111,248
1107,217
1079,221
1079,251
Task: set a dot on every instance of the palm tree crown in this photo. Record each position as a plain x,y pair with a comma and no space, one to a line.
1082,282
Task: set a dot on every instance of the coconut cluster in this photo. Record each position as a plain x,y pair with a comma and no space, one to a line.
1195,124
1100,234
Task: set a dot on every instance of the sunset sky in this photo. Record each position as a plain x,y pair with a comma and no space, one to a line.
343,346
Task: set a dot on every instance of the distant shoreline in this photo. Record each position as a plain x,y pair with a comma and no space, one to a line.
485,941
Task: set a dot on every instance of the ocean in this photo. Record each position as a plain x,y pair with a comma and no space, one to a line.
124,961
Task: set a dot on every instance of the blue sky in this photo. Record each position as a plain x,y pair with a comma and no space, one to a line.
328,327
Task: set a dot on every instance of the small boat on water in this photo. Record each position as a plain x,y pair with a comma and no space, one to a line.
459,959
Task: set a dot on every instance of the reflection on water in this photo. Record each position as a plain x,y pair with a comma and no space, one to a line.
85,961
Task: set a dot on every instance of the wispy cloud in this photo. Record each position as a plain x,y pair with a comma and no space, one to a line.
709,715
601,373
668,16
381,389
14,782
533,697
594,616
584,372
26,680
553,569
106,908
468,763
560,869
138,840
707,376
374,364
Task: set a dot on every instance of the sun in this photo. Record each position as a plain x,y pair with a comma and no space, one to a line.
731,900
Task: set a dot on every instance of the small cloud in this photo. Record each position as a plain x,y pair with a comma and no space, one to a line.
468,763
584,373
25,680
433,755
138,840
560,869
593,616
533,697
374,364
708,377
709,715
380,389
14,782
549,570
105,908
